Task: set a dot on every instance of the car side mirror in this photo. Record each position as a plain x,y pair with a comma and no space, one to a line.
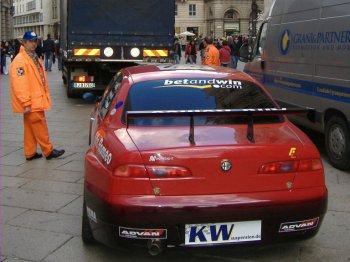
244,53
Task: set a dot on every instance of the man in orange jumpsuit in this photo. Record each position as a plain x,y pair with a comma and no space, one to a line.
211,53
31,96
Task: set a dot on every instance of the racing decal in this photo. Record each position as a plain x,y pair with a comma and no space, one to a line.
119,105
159,157
139,233
292,152
20,71
204,234
113,111
91,214
298,225
205,83
101,149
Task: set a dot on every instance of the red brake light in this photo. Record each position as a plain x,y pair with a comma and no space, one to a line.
130,171
168,171
291,166
310,164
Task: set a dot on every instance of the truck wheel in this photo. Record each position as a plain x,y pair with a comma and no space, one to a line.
86,233
337,138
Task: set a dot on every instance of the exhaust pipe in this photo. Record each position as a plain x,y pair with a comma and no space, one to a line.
156,246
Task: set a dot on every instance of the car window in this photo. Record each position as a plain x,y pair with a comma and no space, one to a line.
109,94
191,94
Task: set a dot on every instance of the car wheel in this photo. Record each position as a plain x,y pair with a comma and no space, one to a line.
86,232
337,136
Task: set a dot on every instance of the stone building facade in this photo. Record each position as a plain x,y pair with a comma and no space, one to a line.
6,26
40,16
215,17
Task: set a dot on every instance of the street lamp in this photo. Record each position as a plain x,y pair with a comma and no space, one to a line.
254,17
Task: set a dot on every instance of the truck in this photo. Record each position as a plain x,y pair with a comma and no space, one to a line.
302,57
97,38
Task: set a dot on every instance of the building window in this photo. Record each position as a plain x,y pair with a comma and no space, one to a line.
175,9
192,10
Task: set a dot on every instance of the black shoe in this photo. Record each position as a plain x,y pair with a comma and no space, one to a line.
36,156
55,153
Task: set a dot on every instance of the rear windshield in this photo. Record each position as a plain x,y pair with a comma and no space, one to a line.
197,94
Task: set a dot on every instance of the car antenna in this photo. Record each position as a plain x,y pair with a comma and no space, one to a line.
250,129
191,136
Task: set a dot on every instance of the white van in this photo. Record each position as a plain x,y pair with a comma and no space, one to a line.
302,57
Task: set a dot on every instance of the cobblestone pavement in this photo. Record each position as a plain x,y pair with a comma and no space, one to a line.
41,201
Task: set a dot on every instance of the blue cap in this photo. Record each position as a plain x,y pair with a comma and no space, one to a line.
29,35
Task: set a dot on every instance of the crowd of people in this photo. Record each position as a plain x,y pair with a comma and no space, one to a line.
213,51
47,50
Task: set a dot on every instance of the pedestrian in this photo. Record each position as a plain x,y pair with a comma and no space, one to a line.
8,52
48,49
188,53
31,96
211,53
193,52
176,51
39,49
225,54
233,44
58,54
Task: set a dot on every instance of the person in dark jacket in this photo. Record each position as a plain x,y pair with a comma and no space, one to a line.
233,44
225,54
48,49
177,51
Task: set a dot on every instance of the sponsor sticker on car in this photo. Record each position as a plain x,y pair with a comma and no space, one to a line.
139,233
219,233
298,225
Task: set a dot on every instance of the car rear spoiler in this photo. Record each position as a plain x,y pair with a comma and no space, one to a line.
310,112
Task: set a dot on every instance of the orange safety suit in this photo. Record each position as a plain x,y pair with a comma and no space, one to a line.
211,56
28,89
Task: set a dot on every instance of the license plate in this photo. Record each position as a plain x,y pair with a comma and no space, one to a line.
221,233
84,85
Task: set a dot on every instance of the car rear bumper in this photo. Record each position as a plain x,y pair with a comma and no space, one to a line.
172,213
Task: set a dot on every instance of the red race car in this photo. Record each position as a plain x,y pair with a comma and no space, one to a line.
197,156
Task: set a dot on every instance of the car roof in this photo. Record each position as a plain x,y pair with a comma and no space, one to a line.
148,72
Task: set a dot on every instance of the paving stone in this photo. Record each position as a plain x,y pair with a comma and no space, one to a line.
55,175
15,260
55,186
72,166
12,170
312,254
11,212
13,159
73,208
333,222
8,181
49,221
37,200
30,244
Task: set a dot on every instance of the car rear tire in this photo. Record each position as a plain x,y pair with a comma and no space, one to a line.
86,232
337,140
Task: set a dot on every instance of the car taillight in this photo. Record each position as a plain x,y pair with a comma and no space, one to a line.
130,171
291,166
83,79
168,171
